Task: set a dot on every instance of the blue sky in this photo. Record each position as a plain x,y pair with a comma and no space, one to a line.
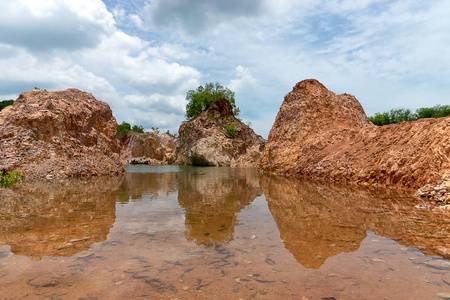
141,57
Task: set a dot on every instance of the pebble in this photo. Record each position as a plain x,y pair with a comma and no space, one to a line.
237,280
422,206
185,288
443,296
253,237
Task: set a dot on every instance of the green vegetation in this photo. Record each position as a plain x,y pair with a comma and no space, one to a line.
5,103
231,130
400,115
125,128
9,177
202,98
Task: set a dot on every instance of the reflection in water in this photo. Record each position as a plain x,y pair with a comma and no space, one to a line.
57,219
212,197
203,233
318,221
135,185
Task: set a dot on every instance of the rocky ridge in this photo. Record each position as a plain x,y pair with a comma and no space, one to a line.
59,134
148,148
217,138
319,134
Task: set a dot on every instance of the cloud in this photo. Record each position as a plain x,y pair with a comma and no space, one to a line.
142,56
131,61
244,80
60,24
141,80
55,73
156,110
196,17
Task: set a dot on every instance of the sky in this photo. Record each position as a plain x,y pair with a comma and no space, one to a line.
142,56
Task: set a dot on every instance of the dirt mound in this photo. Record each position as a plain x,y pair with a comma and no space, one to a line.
319,134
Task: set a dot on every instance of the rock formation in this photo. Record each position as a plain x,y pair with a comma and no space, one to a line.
59,134
217,138
319,134
148,148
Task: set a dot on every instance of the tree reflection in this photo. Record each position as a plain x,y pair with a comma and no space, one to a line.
211,198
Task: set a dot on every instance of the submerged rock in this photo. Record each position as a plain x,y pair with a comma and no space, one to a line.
59,134
148,148
319,134
217,138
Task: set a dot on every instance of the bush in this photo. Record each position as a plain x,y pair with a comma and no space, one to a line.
5,103
231,130
9,178
202,98
400,115
125,128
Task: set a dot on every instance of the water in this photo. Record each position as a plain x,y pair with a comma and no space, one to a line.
217,233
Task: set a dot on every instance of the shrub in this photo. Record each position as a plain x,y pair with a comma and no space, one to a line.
9,177
231,130
400,115
5,103
125,128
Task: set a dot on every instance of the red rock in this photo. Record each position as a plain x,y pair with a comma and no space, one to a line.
64,134
319,134
204,140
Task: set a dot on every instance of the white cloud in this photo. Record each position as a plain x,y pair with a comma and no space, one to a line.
61,24
142,56
244,80
195,17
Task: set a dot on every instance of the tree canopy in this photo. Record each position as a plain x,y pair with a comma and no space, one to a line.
202,98
5,103
125,128
399,115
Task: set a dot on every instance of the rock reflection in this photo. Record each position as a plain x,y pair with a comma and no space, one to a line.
318,221
57,219
211,198
135,185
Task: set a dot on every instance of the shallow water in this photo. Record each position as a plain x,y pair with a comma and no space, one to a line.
217,233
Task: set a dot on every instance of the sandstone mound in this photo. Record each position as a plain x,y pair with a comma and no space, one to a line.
59,134
205,140
323,135
148,148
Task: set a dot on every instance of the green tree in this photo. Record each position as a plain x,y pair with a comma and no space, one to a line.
437,111
138,129
400,115
5,103
202,98
125,128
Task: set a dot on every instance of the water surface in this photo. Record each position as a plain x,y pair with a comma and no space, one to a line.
217,233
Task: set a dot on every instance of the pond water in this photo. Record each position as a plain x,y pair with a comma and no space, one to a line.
218,233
